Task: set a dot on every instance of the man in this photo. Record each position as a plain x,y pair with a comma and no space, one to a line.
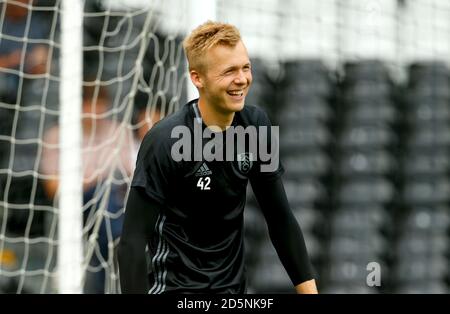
190,212
100,137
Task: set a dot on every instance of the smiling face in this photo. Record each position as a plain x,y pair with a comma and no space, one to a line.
226,78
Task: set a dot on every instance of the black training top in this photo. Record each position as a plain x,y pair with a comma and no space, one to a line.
198,240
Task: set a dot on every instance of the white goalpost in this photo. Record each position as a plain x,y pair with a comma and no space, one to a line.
208,12
72,262
78,126
70,246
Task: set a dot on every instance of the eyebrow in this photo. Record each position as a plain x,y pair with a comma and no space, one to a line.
233,67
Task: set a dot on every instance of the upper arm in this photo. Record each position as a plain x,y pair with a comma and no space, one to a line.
141,214
268,165
272,199
155,169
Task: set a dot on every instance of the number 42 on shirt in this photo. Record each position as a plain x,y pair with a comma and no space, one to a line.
203,183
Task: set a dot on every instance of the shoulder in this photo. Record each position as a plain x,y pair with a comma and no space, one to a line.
162,130
253,115
159,137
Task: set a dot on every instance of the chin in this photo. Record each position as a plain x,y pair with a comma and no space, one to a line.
237,106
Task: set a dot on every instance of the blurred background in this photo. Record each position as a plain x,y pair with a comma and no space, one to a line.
360,90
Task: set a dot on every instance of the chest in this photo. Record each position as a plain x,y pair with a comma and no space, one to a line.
215,178
210,190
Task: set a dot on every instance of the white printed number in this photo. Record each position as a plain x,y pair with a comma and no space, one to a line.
203,183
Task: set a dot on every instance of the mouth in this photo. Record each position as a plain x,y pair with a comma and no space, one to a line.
237,94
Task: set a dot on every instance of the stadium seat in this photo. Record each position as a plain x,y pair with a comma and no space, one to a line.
305,109
308,218
431,89
359,245
308,86
374,135
422,244
311,136
428,111
419,163
306,77
262,93
271,278
365,70
430,136
312,163
305,66
367,112
304,192
347,220
427,71
423,287
267,254
429,191
411,245
366,163
367,191
421,269
360,91
428,220
351,272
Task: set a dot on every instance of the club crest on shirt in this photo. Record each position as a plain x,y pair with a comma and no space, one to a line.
245,162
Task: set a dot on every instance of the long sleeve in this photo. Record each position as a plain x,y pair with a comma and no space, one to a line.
284,230
141,214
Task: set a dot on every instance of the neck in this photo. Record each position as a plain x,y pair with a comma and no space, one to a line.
213,118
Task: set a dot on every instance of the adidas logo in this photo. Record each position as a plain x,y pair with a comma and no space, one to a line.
203,171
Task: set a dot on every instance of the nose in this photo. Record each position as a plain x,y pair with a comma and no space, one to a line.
240,78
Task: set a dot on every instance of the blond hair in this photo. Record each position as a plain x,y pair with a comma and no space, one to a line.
206,36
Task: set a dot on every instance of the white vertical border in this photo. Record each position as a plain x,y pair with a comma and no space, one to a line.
70,251
199,11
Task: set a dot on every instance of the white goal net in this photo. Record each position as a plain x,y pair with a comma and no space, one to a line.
133,73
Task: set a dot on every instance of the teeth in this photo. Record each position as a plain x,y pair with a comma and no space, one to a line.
236,93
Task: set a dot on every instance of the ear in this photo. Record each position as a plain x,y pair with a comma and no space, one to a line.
196,79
